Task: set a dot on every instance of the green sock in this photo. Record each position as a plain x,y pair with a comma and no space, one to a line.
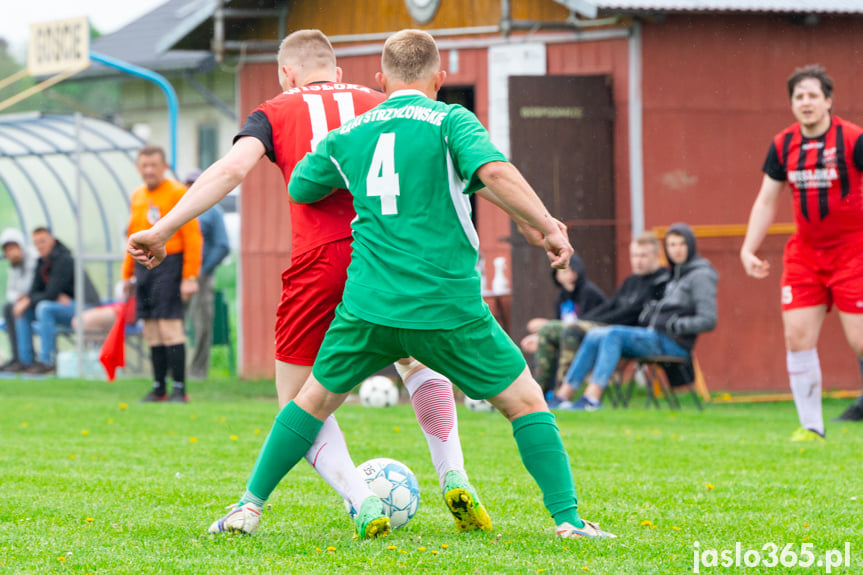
545,458
290,438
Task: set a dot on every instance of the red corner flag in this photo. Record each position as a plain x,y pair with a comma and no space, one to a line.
113,353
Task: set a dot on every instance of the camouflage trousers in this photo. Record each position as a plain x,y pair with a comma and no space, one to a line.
558,345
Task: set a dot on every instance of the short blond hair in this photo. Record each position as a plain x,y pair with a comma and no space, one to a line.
410,55
648,239
309,50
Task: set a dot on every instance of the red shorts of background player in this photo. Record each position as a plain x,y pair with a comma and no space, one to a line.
311,289
813,277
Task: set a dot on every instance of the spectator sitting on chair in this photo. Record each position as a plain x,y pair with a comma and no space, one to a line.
50,302
559,343
22,264
577,295
668,326
201,306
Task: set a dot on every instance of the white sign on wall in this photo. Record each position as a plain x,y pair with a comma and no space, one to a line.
503,62
58,46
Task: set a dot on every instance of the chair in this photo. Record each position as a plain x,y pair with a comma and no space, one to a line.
656,368
222,328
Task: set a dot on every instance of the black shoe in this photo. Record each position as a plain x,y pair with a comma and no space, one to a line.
39,368
153,397
13,367
178,396
853,413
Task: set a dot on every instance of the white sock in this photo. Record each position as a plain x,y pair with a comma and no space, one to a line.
804,373
329,456
431,396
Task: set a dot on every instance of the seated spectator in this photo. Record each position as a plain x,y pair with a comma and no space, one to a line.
558,343
22,264
50,301
576,295
668,327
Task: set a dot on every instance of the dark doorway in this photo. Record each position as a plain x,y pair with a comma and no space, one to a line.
463,96
561,139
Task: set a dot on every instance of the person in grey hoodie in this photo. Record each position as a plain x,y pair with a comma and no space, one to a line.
667,327
22,265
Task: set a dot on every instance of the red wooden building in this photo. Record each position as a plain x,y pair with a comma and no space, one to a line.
623,115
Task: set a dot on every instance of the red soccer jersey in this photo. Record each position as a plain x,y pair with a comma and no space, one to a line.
290,126
826,181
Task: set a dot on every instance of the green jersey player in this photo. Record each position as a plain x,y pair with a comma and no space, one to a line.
412,286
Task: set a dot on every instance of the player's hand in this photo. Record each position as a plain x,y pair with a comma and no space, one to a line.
754,266
147,248
534,236
558,249
188,288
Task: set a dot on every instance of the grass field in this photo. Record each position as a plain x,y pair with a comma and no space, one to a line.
94,482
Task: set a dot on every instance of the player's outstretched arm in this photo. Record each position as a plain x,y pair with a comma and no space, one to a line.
760,218
508,189
148,246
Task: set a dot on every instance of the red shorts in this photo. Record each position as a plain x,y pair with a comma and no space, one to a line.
311,289
813,277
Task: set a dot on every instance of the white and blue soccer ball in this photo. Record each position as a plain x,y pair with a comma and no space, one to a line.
479,405
379,391
396,485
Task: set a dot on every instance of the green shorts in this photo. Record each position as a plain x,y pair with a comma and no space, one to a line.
479,357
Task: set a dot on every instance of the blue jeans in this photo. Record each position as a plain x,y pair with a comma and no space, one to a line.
48,314
603,347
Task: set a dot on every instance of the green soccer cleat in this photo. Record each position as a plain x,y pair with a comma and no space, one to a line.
803,434
466,508
371,521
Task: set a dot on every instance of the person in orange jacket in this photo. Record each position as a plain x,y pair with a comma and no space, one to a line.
161,291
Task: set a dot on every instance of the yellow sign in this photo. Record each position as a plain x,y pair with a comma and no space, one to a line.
59,46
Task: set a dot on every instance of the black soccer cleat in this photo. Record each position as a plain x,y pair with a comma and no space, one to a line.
853,413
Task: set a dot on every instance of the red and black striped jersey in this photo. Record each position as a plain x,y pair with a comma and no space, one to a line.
826,178
290,126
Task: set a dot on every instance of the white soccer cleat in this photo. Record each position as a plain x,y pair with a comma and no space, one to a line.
590,529
243,518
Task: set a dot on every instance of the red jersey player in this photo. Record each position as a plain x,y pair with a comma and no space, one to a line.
284,129
821,158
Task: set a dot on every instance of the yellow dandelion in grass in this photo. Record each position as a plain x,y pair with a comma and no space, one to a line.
646,523
675,436
85,432
397,429
193,439
331,548
123,406
110,420
233,438
675,527
89,520
804,539
257,431
72,456
61,559
434,552
318,549
444,546
403,552
25,424
540,570
584,567
806,525
392,548
422,548
223,419
708,485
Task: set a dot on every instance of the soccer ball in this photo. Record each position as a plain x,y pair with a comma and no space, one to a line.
479,405
396,485
379,391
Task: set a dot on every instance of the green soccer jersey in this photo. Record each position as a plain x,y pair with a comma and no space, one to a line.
410,164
